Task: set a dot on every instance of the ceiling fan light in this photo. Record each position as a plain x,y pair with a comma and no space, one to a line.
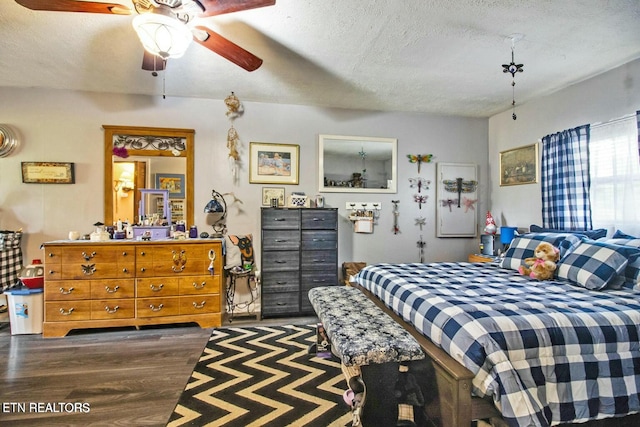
161,35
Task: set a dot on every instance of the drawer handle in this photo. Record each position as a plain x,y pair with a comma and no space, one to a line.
154,308
318,260
200,286
52,272
281,303
142,269
110,290
318,219
50,255
279,219
281,240
87,257
66,313
281,283
124,253
124,270
67,292
280,262
198,306
142,253
111,310
155,288
319,240
319,280
88,269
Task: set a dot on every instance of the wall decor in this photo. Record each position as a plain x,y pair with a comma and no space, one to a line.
8,140
519,165
456,192
174,182
273,163
270,193
48,173
419,159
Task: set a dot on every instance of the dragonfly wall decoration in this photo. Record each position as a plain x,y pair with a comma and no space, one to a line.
419,159
420,221
396,228
420,183
420,199
460,186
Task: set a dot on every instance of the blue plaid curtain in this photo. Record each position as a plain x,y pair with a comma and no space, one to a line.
638,122
565,180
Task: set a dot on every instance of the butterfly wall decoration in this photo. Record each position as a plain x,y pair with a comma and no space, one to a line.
419,159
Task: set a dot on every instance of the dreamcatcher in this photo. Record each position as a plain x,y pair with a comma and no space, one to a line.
234,110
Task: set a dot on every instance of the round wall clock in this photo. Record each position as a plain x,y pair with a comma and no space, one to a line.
8,140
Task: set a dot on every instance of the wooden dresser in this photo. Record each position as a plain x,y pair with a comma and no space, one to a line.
299,252
131,283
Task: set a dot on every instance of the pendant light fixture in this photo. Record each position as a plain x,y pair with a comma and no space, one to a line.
513,68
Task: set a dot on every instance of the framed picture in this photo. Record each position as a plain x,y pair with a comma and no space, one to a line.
269,193
519,165
273,163
172,182
47,173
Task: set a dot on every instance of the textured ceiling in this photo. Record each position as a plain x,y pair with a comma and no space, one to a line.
436,56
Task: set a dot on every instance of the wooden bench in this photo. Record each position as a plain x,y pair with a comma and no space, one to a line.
363,336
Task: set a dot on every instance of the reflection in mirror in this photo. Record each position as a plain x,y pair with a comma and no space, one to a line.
135,158
355,164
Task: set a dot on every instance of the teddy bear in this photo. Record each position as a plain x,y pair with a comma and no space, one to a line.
543,265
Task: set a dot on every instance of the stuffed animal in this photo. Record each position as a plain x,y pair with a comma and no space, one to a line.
543,265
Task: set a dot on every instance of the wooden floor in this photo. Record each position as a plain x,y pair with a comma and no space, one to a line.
116,377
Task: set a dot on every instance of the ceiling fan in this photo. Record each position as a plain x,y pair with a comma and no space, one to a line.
165,27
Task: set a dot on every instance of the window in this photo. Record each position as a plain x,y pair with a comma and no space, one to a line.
615,176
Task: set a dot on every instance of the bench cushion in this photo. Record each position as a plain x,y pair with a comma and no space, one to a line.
360,332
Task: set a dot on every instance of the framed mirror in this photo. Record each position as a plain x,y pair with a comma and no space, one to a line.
146,158
357,164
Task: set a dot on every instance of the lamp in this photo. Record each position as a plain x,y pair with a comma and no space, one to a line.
162,34
216,211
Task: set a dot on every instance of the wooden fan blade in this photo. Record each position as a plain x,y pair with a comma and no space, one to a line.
151,62
229,50
219,7
75,6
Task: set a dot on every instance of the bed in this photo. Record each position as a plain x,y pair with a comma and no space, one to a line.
543,352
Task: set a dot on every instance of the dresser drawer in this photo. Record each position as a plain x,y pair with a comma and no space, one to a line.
67,290
176,259
319,240
198,285
319,220
281,303
157,307
113,309
314,279
280,240
280,261
318,260
157,287
199,304
280,219
67,311
113,288
283,281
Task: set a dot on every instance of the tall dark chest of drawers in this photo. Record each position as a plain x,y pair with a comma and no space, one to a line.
299,252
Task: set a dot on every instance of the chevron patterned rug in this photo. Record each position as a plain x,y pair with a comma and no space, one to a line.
263,376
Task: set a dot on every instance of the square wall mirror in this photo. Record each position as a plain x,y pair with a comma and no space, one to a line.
357,164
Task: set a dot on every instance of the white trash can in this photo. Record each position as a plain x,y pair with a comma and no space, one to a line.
26,310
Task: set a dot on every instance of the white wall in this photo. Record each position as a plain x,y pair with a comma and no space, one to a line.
607,96
66,126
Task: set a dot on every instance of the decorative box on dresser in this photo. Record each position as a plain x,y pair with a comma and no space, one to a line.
299,252
131,283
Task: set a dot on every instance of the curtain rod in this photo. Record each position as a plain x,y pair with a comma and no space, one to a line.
612,121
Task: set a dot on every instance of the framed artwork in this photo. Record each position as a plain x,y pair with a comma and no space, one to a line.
48,173
519,165
273,163
269,193
173,182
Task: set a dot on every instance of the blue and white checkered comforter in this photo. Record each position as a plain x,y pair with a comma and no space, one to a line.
545,352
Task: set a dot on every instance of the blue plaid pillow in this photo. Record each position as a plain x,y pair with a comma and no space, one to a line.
631,274
592,234
524,246
593,265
